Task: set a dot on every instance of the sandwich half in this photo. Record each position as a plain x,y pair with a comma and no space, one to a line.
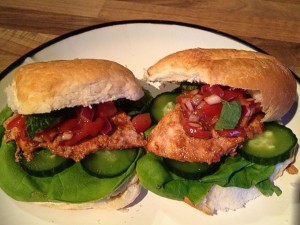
213,145
68,136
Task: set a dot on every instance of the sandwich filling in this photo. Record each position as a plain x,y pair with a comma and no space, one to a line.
74,133
206,124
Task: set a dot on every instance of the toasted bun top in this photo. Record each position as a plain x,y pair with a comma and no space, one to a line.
46,86
266,79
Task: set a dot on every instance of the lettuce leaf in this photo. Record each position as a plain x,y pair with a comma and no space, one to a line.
234,171
72,185
4,114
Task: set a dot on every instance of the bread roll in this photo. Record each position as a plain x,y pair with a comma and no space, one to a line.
46,86
269,82
264,77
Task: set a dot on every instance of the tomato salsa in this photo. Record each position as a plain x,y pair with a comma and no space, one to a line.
83,123
202,107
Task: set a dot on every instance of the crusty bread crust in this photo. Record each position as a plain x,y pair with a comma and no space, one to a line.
262,75
46,86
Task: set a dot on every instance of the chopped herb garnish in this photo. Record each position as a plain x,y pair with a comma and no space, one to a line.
230,115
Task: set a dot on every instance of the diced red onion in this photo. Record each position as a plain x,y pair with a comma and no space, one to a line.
249,111
193,118
196,99
194,125
212,99
67,135
87,113
202,103
107,127
189,106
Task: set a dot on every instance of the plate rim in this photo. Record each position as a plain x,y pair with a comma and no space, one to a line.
82,30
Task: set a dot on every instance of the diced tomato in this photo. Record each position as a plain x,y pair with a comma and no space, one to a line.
142,122
93,128
90,121
18,121
47,134
179,98
77,136
207,90
87,129
201,115
231,94
197,132
69,125
209,112
106,109
86,113
107,127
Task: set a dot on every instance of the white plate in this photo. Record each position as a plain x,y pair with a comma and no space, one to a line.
138,45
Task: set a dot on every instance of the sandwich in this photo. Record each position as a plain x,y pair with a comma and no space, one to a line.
217,142
71,134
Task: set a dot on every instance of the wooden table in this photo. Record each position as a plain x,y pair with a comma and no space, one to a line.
271,25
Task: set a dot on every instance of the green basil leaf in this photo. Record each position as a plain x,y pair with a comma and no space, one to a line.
39,122
230,115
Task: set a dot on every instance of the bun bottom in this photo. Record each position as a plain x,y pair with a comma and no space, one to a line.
233,198
226,199
121,198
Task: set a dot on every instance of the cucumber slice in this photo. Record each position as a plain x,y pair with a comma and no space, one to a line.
45,163
162,104
276,144
190,170
109,163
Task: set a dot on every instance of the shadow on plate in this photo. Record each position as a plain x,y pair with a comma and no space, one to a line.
291,113
141,196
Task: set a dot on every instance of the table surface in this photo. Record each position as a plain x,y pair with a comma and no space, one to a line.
271,25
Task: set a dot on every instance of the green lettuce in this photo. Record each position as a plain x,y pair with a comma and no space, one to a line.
234,171
72,185
4,114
